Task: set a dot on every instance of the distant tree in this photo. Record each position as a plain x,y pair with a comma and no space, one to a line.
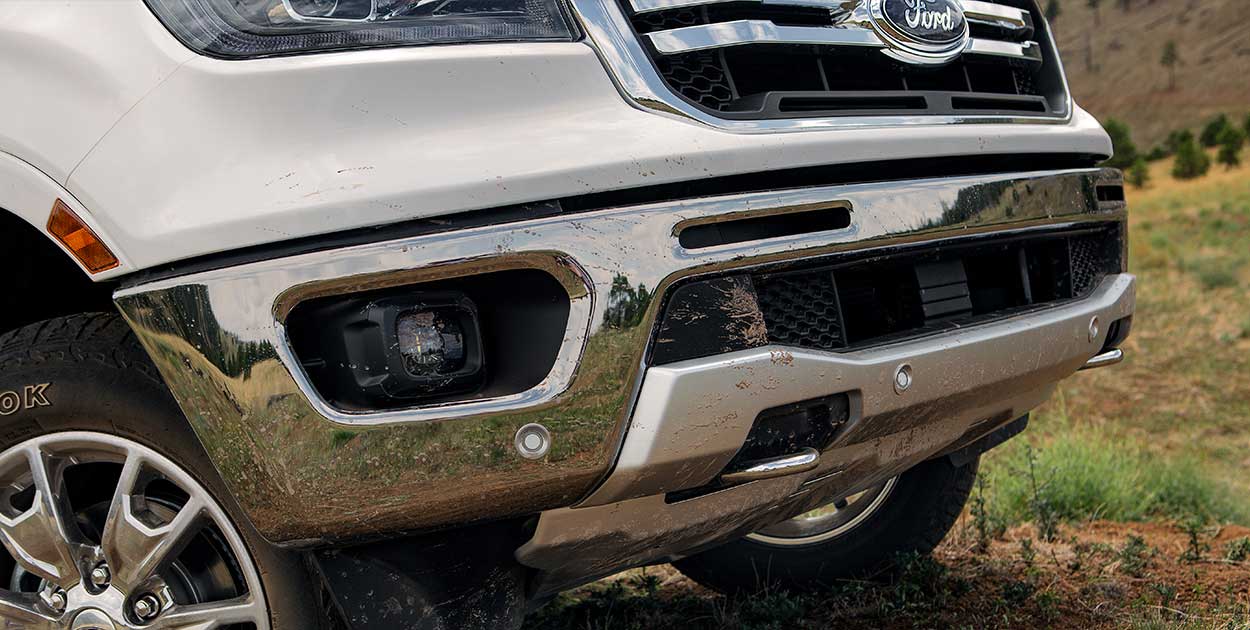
1157,153
1095,5
1176,139
1053,10
1125,152
1171,57
1139,174
1246,126
1231,142
1214,131
1125,5
1191,161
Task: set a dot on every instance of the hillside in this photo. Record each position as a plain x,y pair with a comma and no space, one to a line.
1127,81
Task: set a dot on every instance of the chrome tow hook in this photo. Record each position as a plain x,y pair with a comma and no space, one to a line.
802,461
1110,357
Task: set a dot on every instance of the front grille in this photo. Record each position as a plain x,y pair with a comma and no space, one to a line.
759,59
861,300
903,296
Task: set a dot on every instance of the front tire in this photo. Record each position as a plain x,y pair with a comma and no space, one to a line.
99,468
909,514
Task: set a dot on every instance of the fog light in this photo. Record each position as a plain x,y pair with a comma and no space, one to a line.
431,342
401,350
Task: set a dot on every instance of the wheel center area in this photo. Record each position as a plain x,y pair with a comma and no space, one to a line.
92,619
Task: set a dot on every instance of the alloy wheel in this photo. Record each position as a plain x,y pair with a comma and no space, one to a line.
104,533
827,522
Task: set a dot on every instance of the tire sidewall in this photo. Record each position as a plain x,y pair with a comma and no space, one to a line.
109,386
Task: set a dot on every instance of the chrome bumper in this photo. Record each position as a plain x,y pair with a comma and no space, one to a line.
692,418
306,472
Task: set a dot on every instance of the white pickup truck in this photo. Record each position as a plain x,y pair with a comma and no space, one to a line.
414,313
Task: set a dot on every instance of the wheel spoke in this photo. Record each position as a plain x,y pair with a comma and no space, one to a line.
134,550
20,611
44,539
211,615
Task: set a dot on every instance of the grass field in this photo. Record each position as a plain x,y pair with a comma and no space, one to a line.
1167,433
1137,517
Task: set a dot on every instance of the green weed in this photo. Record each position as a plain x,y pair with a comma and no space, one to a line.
341,437
1237,549
1092,474
1134,557
1195,547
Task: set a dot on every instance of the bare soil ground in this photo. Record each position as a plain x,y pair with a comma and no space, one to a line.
1096,575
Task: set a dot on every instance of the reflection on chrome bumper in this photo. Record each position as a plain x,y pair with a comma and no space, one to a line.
304,471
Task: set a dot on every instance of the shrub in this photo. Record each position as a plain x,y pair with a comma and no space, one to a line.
1139,173
1175,139
1125,152
1158,153
1231,141
1191,161
1214,128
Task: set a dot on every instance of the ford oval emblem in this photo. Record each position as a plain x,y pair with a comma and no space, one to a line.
921,31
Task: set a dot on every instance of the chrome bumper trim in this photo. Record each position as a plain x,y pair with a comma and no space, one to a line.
693,416
305,471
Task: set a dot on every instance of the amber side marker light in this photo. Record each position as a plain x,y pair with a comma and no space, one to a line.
66,227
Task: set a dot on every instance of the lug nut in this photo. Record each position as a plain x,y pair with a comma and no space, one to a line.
147,607
100,576
55,600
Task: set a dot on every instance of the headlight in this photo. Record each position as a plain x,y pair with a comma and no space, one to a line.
257,28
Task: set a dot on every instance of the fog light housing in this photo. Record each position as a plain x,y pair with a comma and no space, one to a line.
402,350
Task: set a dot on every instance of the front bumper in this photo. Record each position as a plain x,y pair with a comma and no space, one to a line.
306,472
692,418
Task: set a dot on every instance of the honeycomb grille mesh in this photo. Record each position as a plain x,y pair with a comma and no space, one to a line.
698,76
1086,256
801,310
